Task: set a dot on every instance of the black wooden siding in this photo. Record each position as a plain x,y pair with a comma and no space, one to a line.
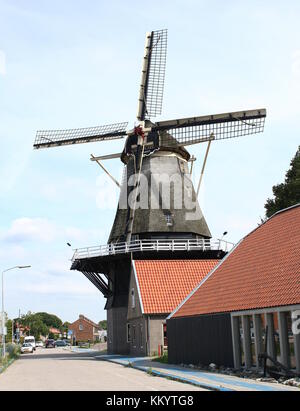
201,340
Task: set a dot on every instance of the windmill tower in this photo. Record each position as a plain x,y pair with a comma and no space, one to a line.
158,214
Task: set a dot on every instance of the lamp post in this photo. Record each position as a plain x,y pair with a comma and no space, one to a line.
3,319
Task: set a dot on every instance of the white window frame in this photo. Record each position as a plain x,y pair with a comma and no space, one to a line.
169,219
132,293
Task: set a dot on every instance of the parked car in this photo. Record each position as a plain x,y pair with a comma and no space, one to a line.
67,343
26,348
50,343
39,344
30,340
61,343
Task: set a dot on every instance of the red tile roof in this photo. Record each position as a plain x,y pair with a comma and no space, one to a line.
164,284
262,271
54,330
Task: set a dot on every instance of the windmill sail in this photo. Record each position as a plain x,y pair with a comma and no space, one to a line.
195,130
153,75
55,138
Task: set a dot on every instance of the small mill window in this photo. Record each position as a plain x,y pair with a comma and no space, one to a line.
169,219
132,298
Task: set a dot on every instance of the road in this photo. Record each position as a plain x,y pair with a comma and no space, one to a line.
62,370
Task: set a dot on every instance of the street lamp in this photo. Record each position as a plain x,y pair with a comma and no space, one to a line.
3,320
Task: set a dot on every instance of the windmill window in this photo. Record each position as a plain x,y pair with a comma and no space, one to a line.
169,220
80,327
182,166
132,298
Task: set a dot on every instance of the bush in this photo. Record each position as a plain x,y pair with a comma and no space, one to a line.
163,359
13,350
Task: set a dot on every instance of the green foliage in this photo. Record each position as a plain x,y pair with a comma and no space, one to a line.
65,327
9,331
50,320
39,323
38,328
286,194
13,350
103,324
163,359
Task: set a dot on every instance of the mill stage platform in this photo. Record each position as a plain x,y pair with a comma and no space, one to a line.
148,246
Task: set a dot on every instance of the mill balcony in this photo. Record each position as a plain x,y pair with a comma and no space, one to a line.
149,246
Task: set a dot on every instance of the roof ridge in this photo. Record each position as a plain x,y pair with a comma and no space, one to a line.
204,280
87,319
239,284
270,218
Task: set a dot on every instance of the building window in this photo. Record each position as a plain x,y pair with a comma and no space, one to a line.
169,219
128,333
80,327
141,336
132,298
133,336
165,335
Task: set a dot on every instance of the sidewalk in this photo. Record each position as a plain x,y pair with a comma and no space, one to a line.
207,380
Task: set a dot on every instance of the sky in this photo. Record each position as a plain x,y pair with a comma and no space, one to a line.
78,63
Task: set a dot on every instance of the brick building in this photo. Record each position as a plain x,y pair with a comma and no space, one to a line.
84,329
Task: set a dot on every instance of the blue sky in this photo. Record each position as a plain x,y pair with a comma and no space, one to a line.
77,63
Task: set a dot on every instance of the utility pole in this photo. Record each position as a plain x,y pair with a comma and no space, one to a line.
3,315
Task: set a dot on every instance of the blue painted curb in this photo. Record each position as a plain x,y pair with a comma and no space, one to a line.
174,377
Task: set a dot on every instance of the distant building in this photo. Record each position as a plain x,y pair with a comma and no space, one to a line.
84,329
55,332
223,321
156,288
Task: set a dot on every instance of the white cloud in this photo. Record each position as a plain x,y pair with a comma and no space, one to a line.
43,230
30,229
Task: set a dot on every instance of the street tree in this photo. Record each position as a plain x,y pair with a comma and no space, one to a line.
286,194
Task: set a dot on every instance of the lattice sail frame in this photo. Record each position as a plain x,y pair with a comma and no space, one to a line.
153,75
157,72
196,130
55,138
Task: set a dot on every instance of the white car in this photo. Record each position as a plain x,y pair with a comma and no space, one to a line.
26,348
39,344
30,340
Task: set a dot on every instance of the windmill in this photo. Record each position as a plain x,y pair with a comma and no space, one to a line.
150,149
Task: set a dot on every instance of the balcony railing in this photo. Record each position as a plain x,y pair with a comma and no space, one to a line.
152,246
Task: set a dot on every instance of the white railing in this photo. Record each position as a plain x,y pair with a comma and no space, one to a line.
152,245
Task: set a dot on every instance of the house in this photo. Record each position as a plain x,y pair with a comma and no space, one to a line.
83,330
56,332
156,288
256,284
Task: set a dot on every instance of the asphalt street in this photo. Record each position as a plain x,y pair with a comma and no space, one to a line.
62,370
